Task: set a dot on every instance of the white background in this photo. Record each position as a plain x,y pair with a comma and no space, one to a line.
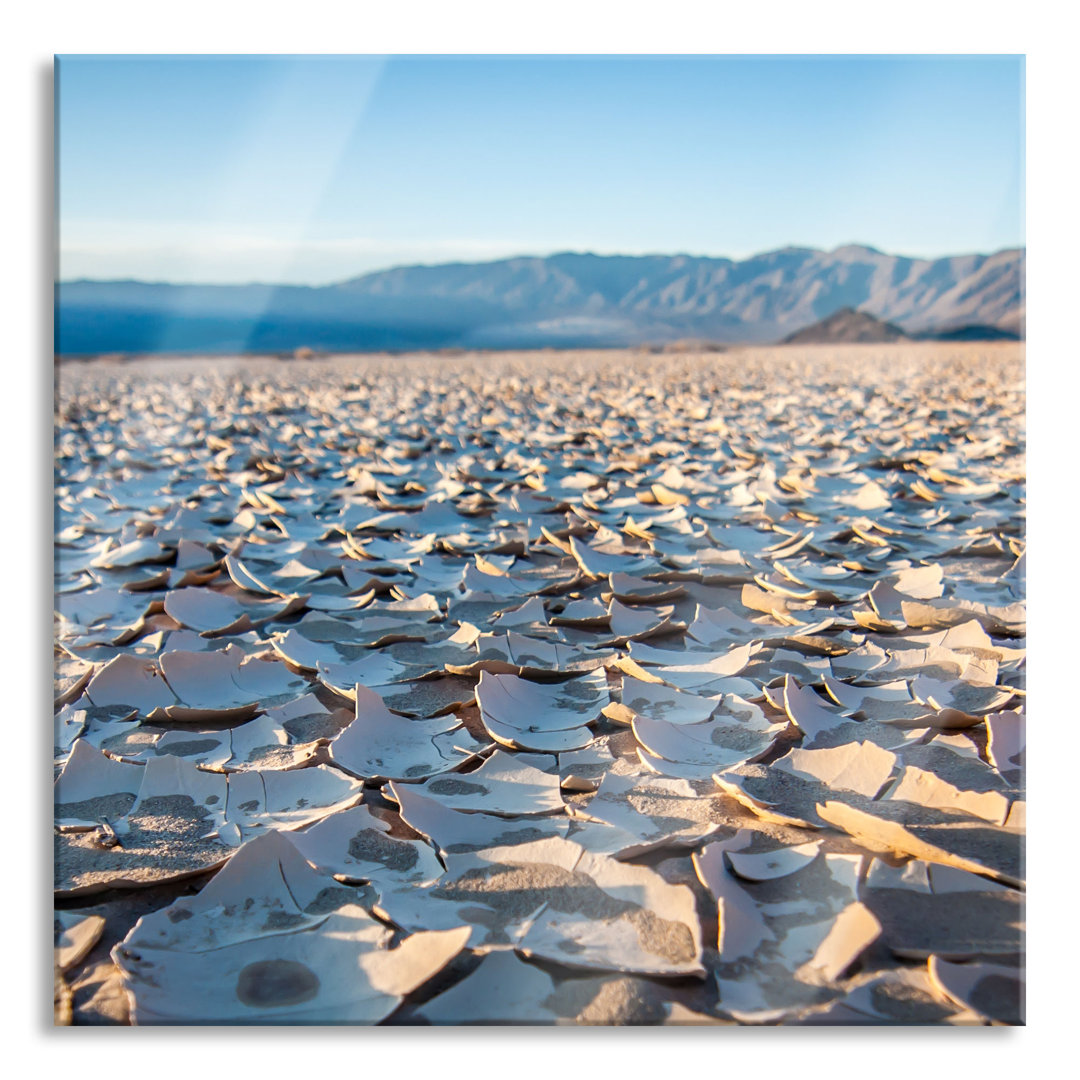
33,34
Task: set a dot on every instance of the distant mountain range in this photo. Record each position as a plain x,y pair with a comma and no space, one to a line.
560,300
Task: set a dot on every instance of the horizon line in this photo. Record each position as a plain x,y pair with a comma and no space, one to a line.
524,256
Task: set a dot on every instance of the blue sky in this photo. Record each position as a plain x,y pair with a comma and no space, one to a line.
315,169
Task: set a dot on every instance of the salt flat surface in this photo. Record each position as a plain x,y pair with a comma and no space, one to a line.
579,687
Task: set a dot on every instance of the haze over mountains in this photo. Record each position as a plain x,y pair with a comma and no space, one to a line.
558,300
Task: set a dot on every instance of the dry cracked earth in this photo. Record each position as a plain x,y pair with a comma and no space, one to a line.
594,688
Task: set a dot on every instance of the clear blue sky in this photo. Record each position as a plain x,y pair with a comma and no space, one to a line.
315,169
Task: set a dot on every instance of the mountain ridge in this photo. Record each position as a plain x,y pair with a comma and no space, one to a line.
569,299
847,325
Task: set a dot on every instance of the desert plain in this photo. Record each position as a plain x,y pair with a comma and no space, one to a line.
611,687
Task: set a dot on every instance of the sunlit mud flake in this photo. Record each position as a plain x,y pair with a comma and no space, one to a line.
310,655
809,581
74,935
861,662
854,930
166,777
770,603
264,744
598,564
934,835
406,554
548,718
273,941
768,666
720,627
955,759
675,770
807,710
480,582
269,681
712,675
70,676
1007,740
372,668
889,595
454,832
122,738
248,643
306,719
738,732
968,639
272,799
958,703
552,900
428,697
511,653
1016,577
637,590
156,578
325,600
994,991
792,918
69,724
210,749
715,566
438,517
582,770
789,790
209,611
244,577
863,768
771,796
380,745
268,580
584,614
887,703
741,926
1008,619
529,617
377,624
356,845
93,788
128,680
934,662
504,989
659,702
626,919
897,738
170,833
922,911
640,624
454,653
499,891
207,687
532,655
748,540
503,785
766,865
645,814
135,553
930,790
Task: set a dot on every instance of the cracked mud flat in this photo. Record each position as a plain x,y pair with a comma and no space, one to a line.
580,688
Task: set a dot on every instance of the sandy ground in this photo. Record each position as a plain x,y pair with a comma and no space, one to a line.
583,687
